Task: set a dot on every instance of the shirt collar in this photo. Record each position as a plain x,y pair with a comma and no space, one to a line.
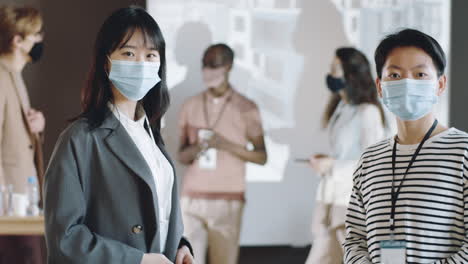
221,99
122,117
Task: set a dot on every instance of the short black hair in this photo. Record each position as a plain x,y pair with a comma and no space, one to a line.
410,38
224,51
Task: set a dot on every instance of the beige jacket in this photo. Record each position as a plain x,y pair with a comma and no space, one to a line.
20,150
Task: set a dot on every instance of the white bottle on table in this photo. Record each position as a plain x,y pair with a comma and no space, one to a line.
9,209
33,197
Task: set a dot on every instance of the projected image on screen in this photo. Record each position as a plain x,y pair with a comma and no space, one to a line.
268,67
266,70
283,52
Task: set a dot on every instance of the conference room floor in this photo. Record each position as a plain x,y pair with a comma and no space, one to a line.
273,255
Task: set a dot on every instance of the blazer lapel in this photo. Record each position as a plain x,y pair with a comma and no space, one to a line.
36,140
22,92
175,220
23,98
120,143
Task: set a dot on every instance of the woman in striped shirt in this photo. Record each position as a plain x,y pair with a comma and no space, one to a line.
413,187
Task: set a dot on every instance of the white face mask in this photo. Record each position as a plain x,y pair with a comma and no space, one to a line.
213,78
409,99
134,79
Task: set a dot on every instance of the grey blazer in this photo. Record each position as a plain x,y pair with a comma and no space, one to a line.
100,199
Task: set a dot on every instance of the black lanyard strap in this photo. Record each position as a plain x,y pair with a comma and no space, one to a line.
413,158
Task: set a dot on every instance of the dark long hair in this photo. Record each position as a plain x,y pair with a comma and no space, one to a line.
360,87
115,33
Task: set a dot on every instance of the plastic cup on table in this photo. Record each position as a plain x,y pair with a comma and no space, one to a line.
20,204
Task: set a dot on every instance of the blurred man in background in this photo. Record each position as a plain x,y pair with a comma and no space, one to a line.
221,130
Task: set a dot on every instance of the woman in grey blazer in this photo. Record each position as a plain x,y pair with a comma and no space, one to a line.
110,192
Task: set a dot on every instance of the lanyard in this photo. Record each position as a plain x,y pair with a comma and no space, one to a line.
397,192
205,109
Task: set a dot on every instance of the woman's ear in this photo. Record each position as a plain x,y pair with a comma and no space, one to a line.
378,84
17,41
442,85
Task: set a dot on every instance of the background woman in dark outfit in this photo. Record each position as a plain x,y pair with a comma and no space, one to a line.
110,191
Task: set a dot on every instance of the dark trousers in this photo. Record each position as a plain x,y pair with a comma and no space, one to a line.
22,250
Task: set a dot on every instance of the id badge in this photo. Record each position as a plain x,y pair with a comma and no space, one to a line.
205,134
393,252
207,160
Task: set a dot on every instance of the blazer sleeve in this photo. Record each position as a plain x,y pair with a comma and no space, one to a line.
185,242
2,120
68,239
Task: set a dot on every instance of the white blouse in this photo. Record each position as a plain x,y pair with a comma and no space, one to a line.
351,129
160,167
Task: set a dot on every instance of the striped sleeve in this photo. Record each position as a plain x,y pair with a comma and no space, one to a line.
355,245
462,255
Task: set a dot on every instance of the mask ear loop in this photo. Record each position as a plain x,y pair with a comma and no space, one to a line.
109,66
107,72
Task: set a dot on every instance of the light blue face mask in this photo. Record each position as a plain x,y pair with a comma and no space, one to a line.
134,79
409,99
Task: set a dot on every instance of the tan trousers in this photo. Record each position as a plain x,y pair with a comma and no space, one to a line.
328,230
213,229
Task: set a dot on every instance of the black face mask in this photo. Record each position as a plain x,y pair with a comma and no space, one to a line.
36,52
335,84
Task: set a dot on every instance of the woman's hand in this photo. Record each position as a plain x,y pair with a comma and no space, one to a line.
155,259
321,163
184,256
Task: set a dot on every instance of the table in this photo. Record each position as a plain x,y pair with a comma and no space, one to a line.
12,225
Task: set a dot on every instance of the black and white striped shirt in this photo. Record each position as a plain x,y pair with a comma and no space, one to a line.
432,207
